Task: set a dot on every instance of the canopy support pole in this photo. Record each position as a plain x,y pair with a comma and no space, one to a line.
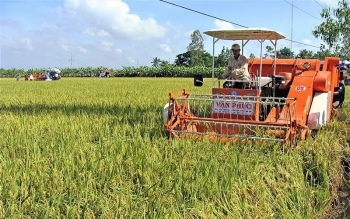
213,63
274,43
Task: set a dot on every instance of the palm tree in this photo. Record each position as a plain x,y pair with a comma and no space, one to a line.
156,61
164,63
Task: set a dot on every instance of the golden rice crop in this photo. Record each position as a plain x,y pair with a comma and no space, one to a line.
95,148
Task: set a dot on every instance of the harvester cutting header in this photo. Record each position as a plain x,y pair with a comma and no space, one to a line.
283,99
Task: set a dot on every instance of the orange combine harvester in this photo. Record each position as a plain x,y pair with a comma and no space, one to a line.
285,101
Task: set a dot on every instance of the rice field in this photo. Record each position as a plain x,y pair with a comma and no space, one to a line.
95,148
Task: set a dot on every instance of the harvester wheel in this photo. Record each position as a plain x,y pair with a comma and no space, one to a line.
314,133
304,134
294,138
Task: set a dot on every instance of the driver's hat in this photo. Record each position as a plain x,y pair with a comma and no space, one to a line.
235,47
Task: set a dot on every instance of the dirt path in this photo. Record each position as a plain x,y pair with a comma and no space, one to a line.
341,207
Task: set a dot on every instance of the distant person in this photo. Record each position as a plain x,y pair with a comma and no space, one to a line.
342,72
339,93
31,77
237,68
18,77
339,96
26,77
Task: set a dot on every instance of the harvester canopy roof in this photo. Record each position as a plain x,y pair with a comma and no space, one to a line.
104,70
245,34
56,70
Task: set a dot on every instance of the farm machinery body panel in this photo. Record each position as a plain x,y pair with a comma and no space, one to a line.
286,98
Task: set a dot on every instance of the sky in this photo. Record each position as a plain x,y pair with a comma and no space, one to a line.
118,33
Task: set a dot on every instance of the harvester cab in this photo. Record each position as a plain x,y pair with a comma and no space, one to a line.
54,74
285,100
104,73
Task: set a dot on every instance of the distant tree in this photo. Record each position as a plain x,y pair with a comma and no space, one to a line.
322,54
196,49
306,54
335,29
285,53
220,60
227,55
270,52
164,63
207,59
183,59
251,56
156,61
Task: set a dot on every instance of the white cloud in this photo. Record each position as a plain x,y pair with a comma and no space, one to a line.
106,46
178,32
165,48
114,17
103,33
81,49
100,33
89,32
131,59
306,41
27,44
119,51
218,24
51,27
65,47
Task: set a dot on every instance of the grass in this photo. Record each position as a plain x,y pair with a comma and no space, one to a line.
95,148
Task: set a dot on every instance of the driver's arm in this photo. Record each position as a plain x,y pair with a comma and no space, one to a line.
243,70
227,72
245,64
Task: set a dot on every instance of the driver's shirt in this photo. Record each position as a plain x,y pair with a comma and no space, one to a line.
240,63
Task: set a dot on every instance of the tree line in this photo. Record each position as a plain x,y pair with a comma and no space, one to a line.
334,31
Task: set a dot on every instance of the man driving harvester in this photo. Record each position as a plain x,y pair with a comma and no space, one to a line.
237,69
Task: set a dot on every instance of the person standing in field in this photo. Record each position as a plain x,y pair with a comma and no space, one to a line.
18,77
31,77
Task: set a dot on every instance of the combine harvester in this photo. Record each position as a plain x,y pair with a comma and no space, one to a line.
104,73
287,99
51,74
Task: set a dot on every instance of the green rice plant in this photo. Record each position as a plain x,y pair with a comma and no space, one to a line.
95,148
